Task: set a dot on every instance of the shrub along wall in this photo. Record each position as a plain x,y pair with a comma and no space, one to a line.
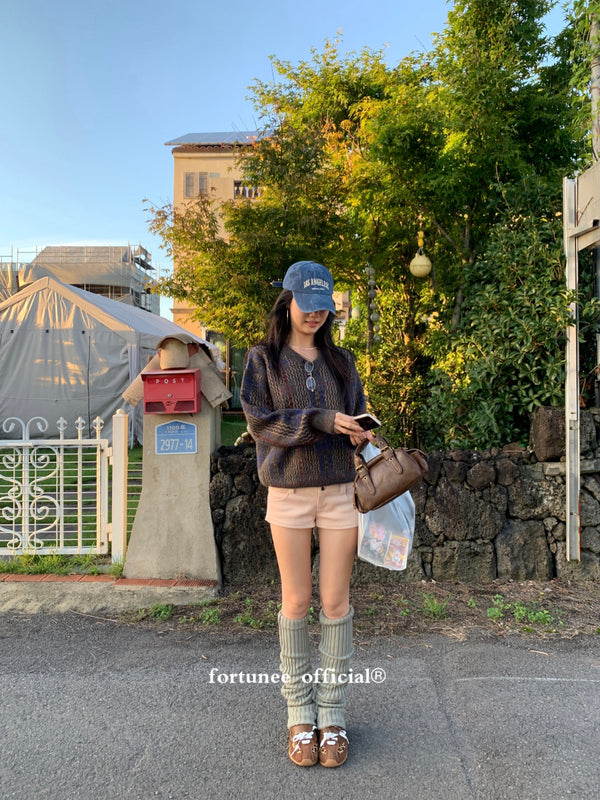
481,516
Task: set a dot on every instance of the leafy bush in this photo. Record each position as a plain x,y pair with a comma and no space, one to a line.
394,372
509,355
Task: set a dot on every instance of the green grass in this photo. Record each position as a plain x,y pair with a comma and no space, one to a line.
252,620
207,614
135,455
161,610
268,617
116,568
521,613
52,564
401,607
433,608
231,428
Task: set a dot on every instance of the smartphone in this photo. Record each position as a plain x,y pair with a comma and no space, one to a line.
368,421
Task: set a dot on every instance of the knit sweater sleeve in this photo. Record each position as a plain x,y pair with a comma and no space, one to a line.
281,427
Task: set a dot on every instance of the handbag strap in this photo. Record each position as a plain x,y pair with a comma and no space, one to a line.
387,451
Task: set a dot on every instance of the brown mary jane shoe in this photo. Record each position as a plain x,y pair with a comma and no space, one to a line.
303,745
333,749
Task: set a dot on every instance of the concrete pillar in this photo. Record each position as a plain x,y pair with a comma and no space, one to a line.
172,534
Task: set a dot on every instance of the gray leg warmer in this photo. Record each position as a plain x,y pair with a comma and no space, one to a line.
336,649
296,663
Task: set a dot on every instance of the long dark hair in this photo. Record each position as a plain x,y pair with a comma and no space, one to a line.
279,330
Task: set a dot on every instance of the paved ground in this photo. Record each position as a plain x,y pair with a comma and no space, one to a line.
94,708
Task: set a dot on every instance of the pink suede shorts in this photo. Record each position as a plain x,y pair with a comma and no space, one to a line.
326,507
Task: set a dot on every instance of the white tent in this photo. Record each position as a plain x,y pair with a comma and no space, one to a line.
65,352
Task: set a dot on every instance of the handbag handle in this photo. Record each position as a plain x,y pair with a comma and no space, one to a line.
387,451
380,442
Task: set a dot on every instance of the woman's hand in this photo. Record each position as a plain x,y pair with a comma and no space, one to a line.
343,423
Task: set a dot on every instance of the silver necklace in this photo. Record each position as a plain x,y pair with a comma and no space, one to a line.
298,347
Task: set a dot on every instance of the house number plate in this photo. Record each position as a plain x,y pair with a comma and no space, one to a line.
176,438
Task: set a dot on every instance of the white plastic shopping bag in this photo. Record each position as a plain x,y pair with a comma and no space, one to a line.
385,535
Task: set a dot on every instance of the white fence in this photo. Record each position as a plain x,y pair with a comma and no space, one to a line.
54,493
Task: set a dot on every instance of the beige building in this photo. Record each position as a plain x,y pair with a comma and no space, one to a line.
204,164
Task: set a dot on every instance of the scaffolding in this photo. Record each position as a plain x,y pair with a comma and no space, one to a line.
120,273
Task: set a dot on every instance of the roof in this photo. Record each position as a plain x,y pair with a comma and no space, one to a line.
130,323
227,137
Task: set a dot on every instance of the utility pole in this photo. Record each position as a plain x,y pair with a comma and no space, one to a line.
581,217
595,98
595,86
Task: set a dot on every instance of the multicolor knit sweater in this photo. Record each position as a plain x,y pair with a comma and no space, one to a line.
292,426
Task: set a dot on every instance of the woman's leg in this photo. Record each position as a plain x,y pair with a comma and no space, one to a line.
293,551
337,549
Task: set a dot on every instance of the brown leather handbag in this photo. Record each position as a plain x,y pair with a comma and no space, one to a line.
387,475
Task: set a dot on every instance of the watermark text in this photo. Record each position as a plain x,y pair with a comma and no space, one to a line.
320,675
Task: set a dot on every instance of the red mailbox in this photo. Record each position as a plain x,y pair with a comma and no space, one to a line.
171,391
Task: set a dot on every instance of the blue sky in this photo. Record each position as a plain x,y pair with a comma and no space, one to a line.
92,89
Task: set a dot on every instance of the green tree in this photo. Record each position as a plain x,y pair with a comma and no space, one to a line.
490,86
585,47
354,152
303,210
507,355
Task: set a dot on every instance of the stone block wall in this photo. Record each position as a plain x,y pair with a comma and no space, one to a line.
481,516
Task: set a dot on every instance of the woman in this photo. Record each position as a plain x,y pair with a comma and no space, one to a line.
300,394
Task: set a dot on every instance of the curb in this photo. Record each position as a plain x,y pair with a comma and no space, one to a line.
13,577
93,594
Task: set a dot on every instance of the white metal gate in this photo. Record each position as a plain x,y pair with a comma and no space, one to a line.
54,493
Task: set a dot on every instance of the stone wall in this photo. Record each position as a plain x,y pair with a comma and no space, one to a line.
481,516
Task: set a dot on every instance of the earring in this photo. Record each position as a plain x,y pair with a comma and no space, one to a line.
287,316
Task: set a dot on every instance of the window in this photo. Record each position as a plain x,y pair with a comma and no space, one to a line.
195,184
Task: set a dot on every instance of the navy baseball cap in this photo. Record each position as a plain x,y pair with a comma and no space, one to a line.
312,286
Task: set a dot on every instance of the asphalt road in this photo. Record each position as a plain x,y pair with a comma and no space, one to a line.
91,709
